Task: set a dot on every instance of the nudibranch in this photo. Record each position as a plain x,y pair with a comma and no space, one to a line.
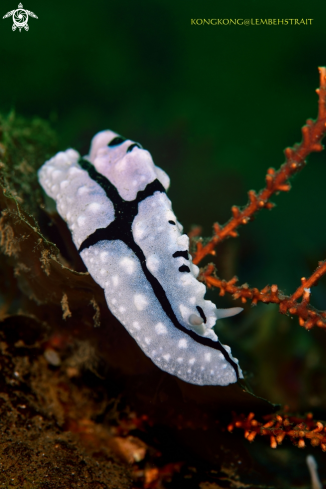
115,204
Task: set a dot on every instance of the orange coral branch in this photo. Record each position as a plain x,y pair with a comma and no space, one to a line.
307,314
276,181
278,427
311,281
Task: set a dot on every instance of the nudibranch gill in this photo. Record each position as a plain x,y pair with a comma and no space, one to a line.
122,223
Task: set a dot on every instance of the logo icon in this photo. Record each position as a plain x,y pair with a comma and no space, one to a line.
20,18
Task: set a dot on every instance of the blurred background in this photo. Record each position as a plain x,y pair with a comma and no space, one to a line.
215,105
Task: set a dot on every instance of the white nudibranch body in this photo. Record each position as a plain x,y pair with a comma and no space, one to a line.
122,223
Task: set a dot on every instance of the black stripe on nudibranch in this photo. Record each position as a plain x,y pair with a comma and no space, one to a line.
202,314
125,211
184,268
184,254
116,141
132,146
120,229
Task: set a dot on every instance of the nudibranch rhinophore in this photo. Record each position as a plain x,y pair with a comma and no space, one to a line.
115,204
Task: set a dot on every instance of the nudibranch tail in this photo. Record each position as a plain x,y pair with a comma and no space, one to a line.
115,204
226,313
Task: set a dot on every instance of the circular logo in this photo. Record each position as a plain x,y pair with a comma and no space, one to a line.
20,18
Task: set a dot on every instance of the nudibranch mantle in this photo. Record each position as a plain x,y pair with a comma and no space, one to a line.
115,204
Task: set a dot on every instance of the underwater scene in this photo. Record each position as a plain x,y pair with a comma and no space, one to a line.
163,250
